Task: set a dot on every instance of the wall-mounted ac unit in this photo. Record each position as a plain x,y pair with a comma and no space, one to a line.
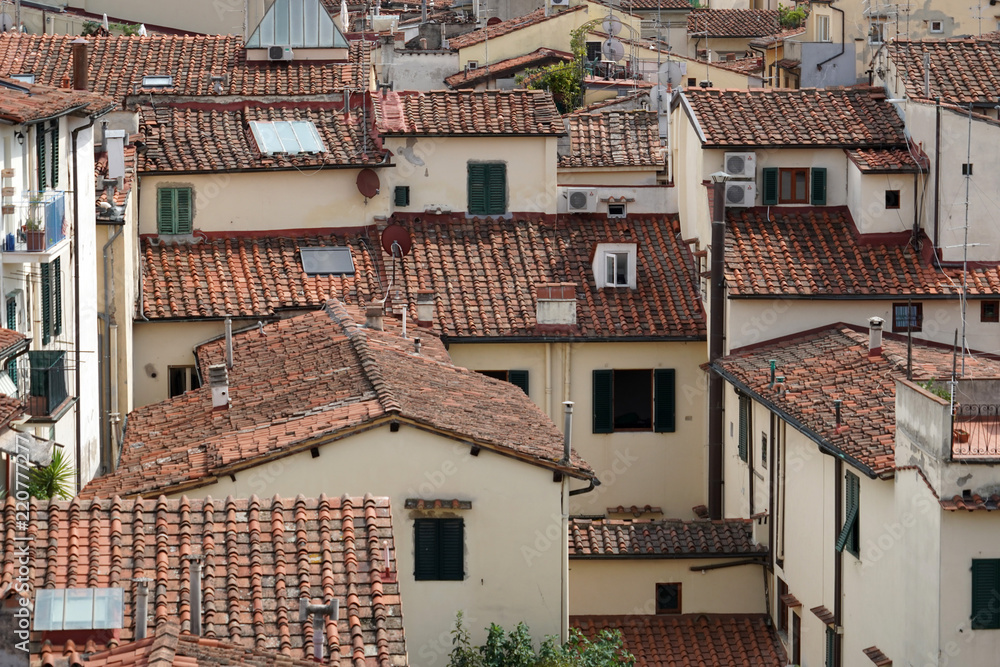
560,3
280,53
741,165
581,200
741,193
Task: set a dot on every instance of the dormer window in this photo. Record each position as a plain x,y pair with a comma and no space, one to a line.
614,265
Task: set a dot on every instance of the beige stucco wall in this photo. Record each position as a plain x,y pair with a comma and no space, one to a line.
665,470
866,200
513,533
607,176
656,199
224,17
628,586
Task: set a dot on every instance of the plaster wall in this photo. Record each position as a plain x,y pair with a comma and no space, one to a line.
866,199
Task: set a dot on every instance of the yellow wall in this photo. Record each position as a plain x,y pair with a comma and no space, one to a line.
159,345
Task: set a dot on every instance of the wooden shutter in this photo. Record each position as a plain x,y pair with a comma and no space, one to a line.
519,379
818,186
12,325
604,404
57,319
46,304
477,189
770,186
664,398
165,211
451,549
496,189
55,153
985,593
831,640
40,134
402,195
182,210
744,441
852,507
425,550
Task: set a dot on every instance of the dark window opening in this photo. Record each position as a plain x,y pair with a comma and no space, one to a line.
989,311
986,593
439,549
668,598
633,392
634,400
967,169
182,379
907,317
892,198
515,377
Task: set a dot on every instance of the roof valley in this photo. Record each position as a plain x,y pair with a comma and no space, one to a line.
359,344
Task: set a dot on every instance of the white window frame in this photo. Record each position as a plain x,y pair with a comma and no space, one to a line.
881,32
601,257
823,28
940,27
624,210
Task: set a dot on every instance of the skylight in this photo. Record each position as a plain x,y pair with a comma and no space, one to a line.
282,136
23,78
157,81
327,261
78,608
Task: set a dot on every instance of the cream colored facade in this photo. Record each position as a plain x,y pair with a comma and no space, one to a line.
515,536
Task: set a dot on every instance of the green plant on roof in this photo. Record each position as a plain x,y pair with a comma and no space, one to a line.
563,80
54,480
127,29
791,17
939,389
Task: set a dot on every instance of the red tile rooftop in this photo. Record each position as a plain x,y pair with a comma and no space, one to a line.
733,22
686,640
26,103
889,160
963,70
468,113
614,139
647,5
507,68
974,502
505,27
662,538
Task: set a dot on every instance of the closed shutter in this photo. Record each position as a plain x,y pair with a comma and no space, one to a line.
55,153
985,593
165,211
477,189
831,640
496,189
402,195
744,442
12,325
818,186
46,304
519,379
425,549
57,319
847,538
664,399
604,401
770,189
182,208
40,133
451,549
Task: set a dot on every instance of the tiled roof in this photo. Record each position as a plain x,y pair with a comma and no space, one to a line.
467,112
42,102
626,538
118,64
631,5
823,614
504,27
628,102
260,558
507,68
733,640
884,160
321,375
733,22
174,137
816,252
10,338
809,117
613,139
876,656
248,276
832,363
972,504
771,40
743,65
962,70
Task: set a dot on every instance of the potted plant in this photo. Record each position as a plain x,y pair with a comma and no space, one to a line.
961,435
34,234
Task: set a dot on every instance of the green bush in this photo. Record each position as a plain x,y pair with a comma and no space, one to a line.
54,480
791,17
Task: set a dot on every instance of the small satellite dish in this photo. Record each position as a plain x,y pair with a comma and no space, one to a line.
493,20
6,22
612,25
658,97
396,234
368,183
613,50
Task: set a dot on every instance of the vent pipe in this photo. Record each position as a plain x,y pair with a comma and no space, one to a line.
141,608
567,429
195,575
875,336
416,344
319,612
218,379
373,317
80,63
229,342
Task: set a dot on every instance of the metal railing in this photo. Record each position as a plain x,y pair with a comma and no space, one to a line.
976,430
39,223
40,380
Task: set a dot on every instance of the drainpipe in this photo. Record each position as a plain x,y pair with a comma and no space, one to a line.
937,170
838,565
107,406
564,539
717,298
819,66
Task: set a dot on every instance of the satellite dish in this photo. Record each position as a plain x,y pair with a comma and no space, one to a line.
613,50
398,235
612,25
368,183
6,22
493,20
658,97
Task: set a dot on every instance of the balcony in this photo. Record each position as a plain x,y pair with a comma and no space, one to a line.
36,231
40,381
976,431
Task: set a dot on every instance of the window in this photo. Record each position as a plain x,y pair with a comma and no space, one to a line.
472,64
616,269
763,450
937,26
157,81
668,598
402,195
989,311
692,82
487,188
51,299
616,210
181,379
876,32
23,78
831,643
986,593
892,198
439,549
822,28
907,317
966,169
744,442
614,265
850,535
327,261
48,159
634,400
283,136
794,185
516,378
782,605
173,210
12,325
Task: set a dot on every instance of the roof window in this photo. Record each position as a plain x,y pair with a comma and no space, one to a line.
614,265
23,78
157,81
78,608
282,136
335,261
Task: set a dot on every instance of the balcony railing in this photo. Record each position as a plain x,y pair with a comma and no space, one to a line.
39,223
40,380
976,431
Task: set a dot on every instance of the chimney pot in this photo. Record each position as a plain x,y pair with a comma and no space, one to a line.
875,336
141,608
425,307
373,317
218,380
80,64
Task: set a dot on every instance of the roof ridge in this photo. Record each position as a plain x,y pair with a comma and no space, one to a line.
358,338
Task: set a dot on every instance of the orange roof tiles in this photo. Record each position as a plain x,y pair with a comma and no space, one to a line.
321,375
733,640
832,363
887,160
835,117
26,103
666,538
613,139
733,22
876,656
504,27
974,502
631,5
817,253
468,113
962,70
174,137
11,339
743,65
507,68
260,558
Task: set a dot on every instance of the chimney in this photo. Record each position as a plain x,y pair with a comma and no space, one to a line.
218,379
373,317
141,608
555,304
319,612
80,63
425,307
229,342
195,594
567,429
875,336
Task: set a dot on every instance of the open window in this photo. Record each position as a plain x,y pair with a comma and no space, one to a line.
615,265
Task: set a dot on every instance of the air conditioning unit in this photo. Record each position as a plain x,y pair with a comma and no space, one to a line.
581,200
741,165
280,53
741,193
560,3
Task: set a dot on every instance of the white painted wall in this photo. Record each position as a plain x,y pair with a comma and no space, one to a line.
866,200
655,200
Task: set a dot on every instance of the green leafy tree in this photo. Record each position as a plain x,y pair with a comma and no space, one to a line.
563,80
54,480
791,17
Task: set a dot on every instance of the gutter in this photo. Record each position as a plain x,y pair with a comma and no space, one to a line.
819,66
746,559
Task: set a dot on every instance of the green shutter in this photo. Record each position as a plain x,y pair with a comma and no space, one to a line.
477,189
402,197
165,211
518,379
831,641
664,398
46,304
852,505
604,412
744,441
12,325
57,319
182,210
40,134
819,186
985,593
770,180
451,549
55,153
496,189
174,211
425,547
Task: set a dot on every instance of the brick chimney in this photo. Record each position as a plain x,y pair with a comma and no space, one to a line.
218,380
556,304
80,64
875,336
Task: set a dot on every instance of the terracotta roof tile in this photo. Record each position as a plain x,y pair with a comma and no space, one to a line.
507,68
962,70
876,656
836,117
743,65
626,538
973,503
631,5
823,614
466,112
24,103
118,64
10,339
259,555
884,160
733,22
734,640
504,27
817,252
613,139
174,137
790,600
831,364
317,375
770,40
